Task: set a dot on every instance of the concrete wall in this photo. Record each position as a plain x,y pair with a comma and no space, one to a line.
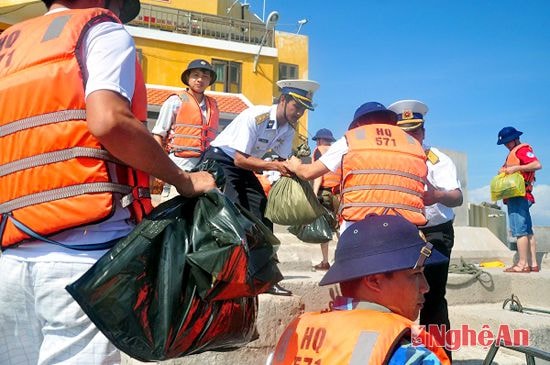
460,159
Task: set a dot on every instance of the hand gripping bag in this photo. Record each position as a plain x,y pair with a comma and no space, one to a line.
184,281
504,186
291,201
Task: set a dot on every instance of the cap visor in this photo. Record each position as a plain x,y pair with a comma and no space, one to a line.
305,104
376,264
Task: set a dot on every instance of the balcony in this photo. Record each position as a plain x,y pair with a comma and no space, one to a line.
202,25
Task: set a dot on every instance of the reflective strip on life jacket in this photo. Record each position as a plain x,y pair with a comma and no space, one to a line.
36,121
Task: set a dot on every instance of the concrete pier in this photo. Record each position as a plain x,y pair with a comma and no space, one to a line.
473,301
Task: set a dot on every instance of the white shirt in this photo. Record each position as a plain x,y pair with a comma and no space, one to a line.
443,176
254,132
109,54
167,116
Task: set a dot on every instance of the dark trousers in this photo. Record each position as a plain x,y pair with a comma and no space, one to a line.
241,186
435,309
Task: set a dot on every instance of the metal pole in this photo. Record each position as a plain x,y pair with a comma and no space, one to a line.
263,13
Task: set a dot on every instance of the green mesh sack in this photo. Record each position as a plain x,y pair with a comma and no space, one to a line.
291,201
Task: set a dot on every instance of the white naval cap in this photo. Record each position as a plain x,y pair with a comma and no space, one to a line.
301,90
410,113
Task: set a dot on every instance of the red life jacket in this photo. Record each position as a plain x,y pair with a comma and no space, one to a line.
337,336
54,173
384,172
513,160
193,133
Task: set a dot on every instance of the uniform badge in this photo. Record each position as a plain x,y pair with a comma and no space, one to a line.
270,124
408,114
261,118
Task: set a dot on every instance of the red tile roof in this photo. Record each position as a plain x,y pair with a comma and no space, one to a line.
227,103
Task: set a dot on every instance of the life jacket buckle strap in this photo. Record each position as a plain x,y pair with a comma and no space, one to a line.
3,221
136,194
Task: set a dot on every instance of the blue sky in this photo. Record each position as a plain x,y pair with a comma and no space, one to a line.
479,65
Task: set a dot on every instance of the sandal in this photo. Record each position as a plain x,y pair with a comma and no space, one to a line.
535,268
518,269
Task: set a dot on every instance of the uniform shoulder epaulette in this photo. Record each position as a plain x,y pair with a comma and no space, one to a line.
432,157
262,118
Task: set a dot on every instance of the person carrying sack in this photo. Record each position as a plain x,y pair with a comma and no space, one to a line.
383,168
521,158
75,171
240,147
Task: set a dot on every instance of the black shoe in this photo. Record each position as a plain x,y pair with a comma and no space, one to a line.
279,290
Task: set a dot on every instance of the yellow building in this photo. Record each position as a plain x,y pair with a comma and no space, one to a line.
249,55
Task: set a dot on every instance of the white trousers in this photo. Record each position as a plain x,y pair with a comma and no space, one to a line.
40,323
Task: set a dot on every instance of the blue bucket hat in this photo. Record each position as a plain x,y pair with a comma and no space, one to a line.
324,133
508,134
371,107
378,244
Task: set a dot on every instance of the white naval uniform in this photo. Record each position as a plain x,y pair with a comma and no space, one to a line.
254,132
443,176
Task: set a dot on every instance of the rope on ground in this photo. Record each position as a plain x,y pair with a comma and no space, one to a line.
515,306
470,269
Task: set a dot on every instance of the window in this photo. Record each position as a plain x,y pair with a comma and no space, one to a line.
287,71
229,76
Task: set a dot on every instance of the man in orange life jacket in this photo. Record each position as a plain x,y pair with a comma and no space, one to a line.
521,158
74,162
188,121
443,194
379,263
383,168
324,187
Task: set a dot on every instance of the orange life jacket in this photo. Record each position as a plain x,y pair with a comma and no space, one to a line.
193,133
513,160
339,336
54,173
384,172
264,181
331,179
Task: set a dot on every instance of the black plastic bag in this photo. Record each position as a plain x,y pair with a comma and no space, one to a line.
318,231
184,281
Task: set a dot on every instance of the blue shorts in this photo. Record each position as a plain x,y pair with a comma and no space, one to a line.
519,217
